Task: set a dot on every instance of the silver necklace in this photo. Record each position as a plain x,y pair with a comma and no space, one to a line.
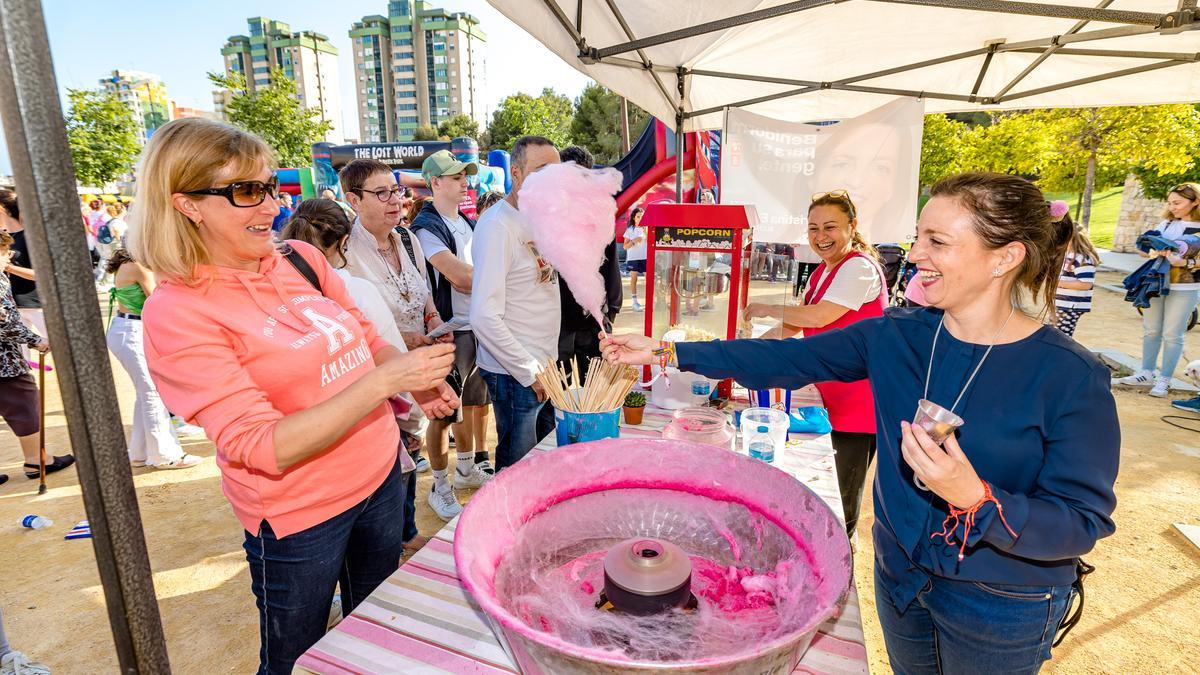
932,350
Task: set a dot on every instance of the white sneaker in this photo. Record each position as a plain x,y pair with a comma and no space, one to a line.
1141,378
184,429
637,306
185,462
443,503
422,465
1162,387
486,467
474,478
16,663
335,613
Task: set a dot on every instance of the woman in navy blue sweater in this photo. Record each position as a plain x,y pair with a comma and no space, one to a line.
976,539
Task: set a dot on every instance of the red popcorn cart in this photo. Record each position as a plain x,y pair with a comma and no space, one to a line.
697,273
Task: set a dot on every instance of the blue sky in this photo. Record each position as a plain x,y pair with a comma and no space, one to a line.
181,42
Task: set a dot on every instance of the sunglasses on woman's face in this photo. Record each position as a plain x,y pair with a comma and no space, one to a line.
1187,191
244,194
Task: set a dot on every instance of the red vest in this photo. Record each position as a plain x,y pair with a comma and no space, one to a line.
850,404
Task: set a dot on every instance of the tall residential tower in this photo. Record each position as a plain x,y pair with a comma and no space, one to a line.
145,95
306,57
419,66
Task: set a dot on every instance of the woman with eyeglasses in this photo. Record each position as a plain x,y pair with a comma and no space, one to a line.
262,346
1165,321
977,535
846,287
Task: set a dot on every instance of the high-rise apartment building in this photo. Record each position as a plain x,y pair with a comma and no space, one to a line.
145,95
306,57
419,66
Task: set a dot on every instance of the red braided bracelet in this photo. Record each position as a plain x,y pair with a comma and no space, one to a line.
967,518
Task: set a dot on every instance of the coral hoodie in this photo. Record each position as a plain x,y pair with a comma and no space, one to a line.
239,353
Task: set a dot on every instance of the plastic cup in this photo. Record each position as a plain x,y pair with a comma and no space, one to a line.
938,422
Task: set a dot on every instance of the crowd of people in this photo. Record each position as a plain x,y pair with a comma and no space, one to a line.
333,348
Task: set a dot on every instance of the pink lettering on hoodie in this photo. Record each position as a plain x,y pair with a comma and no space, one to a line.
240,352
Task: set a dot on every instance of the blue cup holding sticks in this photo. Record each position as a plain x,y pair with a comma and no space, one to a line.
574,427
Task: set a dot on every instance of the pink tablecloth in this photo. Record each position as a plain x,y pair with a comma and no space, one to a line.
422,621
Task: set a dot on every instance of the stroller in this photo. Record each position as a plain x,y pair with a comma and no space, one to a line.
897,272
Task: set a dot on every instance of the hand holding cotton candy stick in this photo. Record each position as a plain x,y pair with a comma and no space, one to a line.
573,215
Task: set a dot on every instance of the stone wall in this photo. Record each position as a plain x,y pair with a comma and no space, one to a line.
1138,214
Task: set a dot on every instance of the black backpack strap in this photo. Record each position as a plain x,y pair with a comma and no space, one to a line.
406,239
293,256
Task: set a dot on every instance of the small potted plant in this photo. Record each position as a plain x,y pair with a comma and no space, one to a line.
635,405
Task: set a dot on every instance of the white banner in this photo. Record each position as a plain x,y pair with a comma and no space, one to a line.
777,166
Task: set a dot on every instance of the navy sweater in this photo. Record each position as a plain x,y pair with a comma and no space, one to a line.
1041,428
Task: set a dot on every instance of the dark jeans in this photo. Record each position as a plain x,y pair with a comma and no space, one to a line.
968,627
516,408
410,506
853,459
583,345
293,578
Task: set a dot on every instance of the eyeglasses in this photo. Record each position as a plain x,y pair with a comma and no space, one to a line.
1185,190
385,194
243,194
833,194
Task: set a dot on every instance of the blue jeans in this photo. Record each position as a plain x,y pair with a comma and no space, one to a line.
967,627
1164,323
410,506
516,408
293,578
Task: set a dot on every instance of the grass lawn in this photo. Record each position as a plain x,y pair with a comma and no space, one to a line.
1106,206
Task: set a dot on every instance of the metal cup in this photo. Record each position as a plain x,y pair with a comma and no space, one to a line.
937,421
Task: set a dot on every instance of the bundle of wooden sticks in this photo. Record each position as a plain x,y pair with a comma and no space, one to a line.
603,390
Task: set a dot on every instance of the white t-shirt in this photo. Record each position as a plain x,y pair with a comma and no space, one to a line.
637,252
462,241
857,283
515,307
374,307
1174,229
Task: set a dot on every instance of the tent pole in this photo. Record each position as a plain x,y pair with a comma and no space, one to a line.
679,157
1088,80
37,143
1054,11
1047,53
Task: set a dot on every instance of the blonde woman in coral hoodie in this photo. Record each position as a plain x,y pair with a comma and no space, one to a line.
286,376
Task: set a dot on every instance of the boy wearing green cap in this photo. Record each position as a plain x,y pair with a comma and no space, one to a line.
445,233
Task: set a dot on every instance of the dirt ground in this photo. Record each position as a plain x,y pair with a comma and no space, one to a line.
1143,602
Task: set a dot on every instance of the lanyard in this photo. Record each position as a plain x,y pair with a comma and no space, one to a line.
971,379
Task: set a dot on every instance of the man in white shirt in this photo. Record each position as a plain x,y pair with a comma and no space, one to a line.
515,310
445,233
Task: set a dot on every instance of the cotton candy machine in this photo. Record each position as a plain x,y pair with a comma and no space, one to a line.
638,556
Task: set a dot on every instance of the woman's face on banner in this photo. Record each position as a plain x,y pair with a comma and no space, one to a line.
864,162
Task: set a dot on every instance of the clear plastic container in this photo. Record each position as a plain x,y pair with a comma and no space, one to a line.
700,425
764,425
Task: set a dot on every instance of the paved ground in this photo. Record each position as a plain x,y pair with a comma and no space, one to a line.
1143,601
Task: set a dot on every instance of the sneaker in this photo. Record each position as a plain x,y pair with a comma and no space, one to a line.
486,467
185,462
474,478
422,465
1162,387
637,306
1188,404
443,503
16,663
335,613
184,429
1142,378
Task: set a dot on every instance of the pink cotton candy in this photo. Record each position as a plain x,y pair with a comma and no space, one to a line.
573,214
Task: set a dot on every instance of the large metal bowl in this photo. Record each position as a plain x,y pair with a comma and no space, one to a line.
491,528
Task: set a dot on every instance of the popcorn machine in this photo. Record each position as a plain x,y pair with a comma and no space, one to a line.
697,275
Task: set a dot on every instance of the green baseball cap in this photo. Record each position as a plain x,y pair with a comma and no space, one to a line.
442,163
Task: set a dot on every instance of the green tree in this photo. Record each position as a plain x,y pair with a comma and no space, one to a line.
1157,183
425,133
274,113
597,122
548,114
102,133
459,125
942,145
1082,150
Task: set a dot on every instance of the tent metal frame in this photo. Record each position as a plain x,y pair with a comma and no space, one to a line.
46,187
1186,17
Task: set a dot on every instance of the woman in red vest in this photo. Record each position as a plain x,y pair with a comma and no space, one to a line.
846,287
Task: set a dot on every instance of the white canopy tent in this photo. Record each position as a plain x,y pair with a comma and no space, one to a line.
684,61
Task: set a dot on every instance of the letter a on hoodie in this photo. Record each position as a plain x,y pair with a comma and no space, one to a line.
336,334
